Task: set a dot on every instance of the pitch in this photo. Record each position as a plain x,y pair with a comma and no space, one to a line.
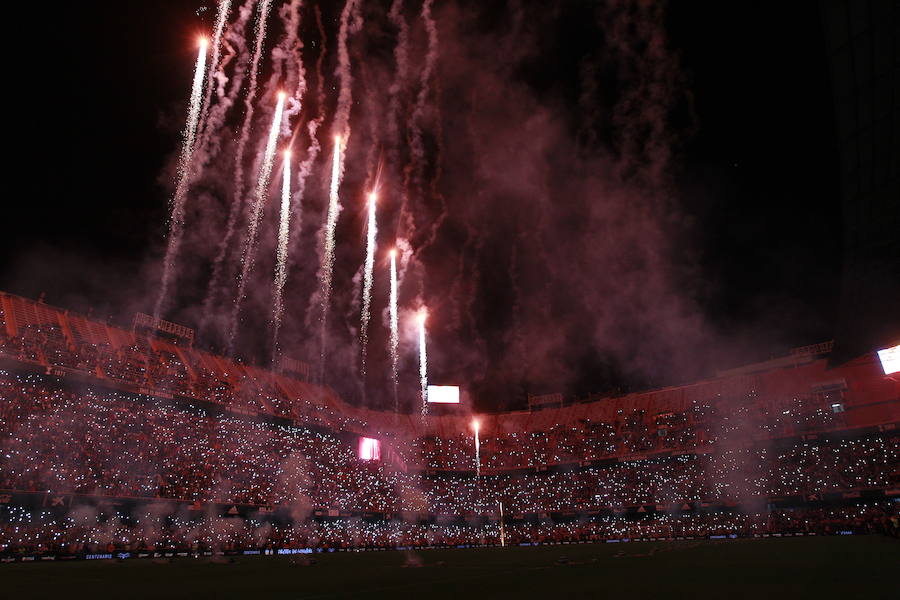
833,567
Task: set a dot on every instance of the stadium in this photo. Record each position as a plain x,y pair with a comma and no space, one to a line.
340,364
121,445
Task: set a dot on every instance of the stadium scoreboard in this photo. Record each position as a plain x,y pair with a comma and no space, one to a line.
443,394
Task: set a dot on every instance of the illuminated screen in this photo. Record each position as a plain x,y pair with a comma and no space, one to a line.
443,394
369,449
890,360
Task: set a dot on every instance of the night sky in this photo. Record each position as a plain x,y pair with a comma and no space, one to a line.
99,101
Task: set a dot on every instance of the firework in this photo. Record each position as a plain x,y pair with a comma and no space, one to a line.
395,333
284,228
476,425
238,177
249,105
262,184
502,529
221,19
371,232
423,361
184,167
190,130
327,267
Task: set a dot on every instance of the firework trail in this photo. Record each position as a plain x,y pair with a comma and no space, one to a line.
190,130
289,51
287,69
262,185
429,73
371,233
184,166
262,17
292,24
401,53
303,172
395,106
395,329
414,170
341,130
234,40
327,267
423,361
284,229
238,181
345,94
476,425
312,153
221,19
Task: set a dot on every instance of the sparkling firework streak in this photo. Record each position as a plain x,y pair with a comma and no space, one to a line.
371,232
334,208
190,130
395,328
249,105
221,18
476,425
262,185
184,166
284,229
502,529
423,361
211,145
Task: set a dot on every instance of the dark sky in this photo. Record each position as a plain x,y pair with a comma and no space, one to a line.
98,101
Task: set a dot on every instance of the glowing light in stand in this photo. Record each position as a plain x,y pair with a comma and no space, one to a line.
369,449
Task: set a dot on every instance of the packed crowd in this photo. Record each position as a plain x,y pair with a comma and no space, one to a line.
103,442
85,531
179,371
633,432
184,372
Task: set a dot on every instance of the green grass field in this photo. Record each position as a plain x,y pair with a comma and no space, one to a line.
834,567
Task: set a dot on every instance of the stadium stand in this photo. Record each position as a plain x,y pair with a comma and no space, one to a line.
116,439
